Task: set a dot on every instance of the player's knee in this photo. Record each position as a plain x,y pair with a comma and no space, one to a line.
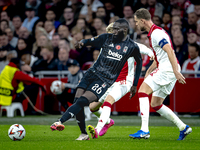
82,101
110,99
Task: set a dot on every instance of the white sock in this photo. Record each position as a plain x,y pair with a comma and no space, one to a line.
103,118
169,114
98,113
144,110
87,112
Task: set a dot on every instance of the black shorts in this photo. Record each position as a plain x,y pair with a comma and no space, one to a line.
91,82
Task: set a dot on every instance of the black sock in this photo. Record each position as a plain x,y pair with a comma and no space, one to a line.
80,117
74,109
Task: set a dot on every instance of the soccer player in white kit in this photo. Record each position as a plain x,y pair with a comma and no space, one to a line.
160,77
121,87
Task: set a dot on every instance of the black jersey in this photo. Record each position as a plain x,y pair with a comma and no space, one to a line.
113,56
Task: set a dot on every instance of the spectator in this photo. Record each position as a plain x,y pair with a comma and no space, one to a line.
176,20
112,9
191,63
76,6
128,12
98,25
4,42
25,34
155,8
55,41
176,11
101,12
157,20
41,40
58,7
63,31
22,47
144,39
38,23
30,20
180,47
69,88
47,62
28,60
51,16
82,25
3,25
166,19
68,15
77,35
197,10
50,29
192,36
63,43
192,18
4,16
63,57
175,28
17,22
33,4
12,40
89,8
141,4
113,19
5,57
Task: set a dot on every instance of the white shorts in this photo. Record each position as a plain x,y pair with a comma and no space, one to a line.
161,82
117,91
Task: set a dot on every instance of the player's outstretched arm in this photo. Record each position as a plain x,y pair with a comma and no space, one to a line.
173,60
138,59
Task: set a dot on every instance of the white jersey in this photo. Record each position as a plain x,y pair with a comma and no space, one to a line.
127,72
158,37
125,79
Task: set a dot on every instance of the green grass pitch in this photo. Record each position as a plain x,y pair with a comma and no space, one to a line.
40,137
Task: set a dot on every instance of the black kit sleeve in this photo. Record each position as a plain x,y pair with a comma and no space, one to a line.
138,59
96,41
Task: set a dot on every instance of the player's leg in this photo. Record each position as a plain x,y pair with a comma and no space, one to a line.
144,91
157,104
80,117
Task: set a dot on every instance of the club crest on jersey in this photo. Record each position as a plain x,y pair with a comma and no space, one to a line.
125,49
103,85
118,47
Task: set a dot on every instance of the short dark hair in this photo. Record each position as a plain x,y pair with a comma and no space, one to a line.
124,21
143,13
195,45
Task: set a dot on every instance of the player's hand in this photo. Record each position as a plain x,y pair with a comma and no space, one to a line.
62,86
133,90
79,45
180,77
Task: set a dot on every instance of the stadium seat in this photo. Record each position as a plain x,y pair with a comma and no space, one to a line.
11,109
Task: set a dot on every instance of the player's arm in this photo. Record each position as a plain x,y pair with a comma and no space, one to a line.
96,41
172,58
151,68
145,50
138,59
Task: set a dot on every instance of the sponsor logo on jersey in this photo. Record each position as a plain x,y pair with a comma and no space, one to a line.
111,45
125,49
118,47
114,55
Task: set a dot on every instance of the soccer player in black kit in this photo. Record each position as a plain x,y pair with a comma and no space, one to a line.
116,48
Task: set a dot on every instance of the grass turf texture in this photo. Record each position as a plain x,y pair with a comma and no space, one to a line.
40,137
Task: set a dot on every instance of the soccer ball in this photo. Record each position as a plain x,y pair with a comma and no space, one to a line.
56,87
16,132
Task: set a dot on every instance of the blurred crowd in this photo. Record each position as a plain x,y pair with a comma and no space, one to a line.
42,33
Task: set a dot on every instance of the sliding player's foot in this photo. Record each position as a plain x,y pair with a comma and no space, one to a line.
93,132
